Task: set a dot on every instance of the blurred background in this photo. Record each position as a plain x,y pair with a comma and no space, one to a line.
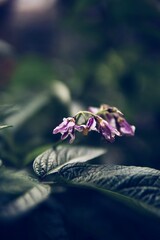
58,57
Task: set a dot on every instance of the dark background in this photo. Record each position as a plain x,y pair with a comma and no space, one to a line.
59,56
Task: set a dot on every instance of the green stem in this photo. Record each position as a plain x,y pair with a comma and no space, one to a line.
102,112
85,112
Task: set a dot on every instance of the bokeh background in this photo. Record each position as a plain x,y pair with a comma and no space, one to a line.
57,57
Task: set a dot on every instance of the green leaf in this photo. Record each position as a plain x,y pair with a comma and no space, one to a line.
140,183
19,193
26,202
14,183
52,160
94,214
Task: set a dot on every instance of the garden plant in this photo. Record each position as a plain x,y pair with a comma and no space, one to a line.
68,196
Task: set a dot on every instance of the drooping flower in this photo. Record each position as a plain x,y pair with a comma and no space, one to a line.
90,126
106,120
66,128
107,131
115,118
124,127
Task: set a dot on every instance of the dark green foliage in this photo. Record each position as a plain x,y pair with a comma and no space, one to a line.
100,52
135,182
53,159
19,193
80,201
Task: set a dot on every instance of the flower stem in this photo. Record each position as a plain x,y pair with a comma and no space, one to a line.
85,113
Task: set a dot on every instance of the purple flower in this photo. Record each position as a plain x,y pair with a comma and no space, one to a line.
106,120
66,128
117,121
107,131
90,126
124,127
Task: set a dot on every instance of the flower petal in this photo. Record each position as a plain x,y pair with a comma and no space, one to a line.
65,125
91,124
64,135
72,137
107,131
126,128
79,128
61,126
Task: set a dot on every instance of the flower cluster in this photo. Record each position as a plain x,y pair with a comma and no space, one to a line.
106,120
